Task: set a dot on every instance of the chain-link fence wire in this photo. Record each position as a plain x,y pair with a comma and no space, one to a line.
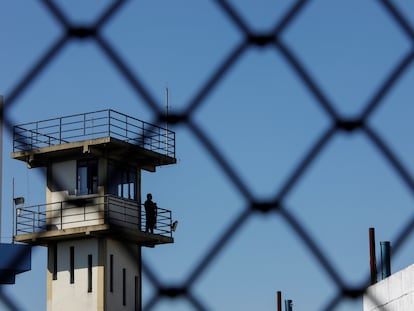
185,118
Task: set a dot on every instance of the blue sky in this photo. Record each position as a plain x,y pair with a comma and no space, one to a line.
261,118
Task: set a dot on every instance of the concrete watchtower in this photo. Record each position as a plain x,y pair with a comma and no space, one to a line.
92,222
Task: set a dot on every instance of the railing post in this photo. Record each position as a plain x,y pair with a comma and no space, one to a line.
126,127
38,217
139,217
109,122
123,205
61,215
37,131
143,134
159,139
33,223
31,139
106,209
60,131
171,224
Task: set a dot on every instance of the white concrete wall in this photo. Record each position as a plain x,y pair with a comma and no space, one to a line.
62,295
122,260
65,296
395,293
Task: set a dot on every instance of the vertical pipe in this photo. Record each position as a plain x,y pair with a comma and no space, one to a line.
372,257
385,259
279,300
1,158
288,305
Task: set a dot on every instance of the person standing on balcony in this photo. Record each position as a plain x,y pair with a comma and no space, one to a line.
150,214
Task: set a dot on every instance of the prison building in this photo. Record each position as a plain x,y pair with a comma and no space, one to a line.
394,292
93,222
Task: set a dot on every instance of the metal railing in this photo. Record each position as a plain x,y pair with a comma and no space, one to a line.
92,125
88,211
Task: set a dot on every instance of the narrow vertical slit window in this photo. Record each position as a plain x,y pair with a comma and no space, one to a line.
111,273
72,264
124,287
136,294
55,254
89,273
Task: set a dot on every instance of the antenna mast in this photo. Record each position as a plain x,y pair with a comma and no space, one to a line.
166,121
1,158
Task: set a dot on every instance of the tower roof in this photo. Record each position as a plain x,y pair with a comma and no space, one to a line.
104,133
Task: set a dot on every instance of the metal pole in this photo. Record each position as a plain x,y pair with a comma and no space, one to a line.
1,158
14,209
385,259
288,305
279,300
166,121
372,257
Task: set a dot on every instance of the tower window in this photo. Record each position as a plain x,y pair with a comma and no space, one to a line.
122,181
87,176
89,273
124,287
111,273
72,264
136,289
54,272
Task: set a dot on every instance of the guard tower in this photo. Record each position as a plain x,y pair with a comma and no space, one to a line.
92,222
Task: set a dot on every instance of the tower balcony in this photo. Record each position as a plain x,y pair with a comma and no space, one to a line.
104,133
90,215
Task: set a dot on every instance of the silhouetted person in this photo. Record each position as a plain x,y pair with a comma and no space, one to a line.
150,213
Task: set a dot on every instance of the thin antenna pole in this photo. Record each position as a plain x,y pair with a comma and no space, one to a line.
166,121
1,158
14,209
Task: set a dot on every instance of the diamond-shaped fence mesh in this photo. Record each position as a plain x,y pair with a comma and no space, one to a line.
189,118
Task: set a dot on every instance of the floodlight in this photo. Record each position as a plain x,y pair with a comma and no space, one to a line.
174,226
18,200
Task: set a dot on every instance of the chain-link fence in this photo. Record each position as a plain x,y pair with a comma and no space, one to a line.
250,205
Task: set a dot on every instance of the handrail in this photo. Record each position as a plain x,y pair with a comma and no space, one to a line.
92,125
87,211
